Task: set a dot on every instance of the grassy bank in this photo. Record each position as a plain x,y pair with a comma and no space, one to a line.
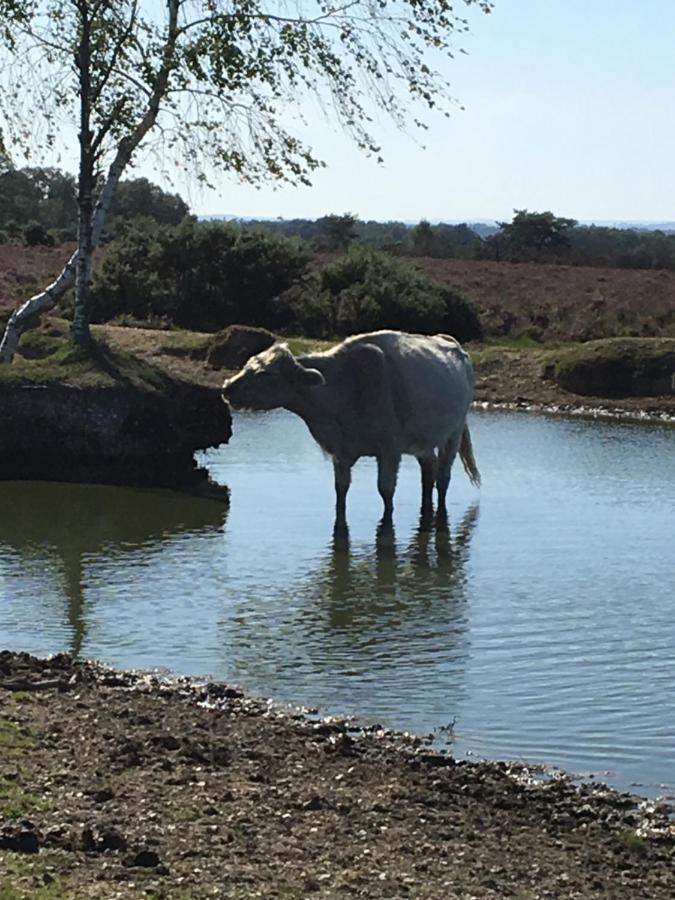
509,371
48,355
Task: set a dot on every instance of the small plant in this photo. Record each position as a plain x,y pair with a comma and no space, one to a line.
634,842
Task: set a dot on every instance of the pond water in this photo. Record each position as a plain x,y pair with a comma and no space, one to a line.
542,623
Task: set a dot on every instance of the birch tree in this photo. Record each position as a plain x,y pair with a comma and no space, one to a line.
211,84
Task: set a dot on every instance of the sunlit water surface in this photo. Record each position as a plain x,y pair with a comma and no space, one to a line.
542,624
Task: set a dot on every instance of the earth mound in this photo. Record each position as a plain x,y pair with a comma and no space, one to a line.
232,347
103,416
621,367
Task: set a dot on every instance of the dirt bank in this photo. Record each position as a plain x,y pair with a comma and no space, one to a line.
505,376
116,785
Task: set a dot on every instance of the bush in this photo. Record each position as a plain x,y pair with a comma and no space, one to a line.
35,235
201,275
63,235
365,290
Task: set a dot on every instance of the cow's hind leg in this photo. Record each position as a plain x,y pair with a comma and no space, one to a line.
387,473
446,457
343,478
429,470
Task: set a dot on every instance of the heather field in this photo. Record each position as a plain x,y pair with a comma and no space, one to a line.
25,270
549,303
562,303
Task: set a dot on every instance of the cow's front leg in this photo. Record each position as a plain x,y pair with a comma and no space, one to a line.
387,472
343,478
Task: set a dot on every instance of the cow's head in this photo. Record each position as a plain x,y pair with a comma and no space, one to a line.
272,378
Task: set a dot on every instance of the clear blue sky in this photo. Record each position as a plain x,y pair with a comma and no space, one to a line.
569,106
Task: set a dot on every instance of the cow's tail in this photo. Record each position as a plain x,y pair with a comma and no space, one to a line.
467,457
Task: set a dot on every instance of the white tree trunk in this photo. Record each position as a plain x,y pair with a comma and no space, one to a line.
40,303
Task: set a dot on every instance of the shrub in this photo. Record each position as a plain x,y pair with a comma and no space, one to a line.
364,290
201,275
63,235
35,234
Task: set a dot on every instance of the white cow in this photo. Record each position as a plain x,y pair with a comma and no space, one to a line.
380,394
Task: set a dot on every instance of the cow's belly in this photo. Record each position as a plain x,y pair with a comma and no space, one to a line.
433,428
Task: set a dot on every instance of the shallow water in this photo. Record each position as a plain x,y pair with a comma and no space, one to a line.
542,624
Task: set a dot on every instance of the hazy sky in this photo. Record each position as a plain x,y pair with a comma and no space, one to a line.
569,106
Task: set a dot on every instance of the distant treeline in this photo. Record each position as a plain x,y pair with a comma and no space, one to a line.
39,206
530,237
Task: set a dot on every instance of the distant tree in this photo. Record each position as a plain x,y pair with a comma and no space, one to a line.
215,80
423,239
536,231
337,232
49,196
19,198
140,197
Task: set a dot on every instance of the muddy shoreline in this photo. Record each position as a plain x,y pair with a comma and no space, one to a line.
116,784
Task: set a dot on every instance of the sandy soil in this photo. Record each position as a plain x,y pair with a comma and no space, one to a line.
518,379
118,785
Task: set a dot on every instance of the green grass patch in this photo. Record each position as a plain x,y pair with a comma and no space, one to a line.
634,842
97,366
13,736
193,344
17,803
21,697
302,345
35,877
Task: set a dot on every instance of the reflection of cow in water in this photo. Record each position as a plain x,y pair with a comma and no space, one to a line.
381,394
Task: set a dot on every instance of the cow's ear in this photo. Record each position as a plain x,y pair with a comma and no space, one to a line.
310,377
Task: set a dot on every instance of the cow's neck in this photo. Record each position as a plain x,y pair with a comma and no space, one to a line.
313,404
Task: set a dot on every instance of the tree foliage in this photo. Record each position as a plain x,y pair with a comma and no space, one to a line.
337,232
44,195
48,197
218,81
532,234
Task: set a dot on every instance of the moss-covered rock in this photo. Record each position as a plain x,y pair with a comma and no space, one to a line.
618,367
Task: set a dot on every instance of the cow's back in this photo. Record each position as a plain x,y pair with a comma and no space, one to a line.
429,380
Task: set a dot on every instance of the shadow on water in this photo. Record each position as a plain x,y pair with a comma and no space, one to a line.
67,527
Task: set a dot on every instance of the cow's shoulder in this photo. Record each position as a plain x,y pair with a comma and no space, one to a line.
362,375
